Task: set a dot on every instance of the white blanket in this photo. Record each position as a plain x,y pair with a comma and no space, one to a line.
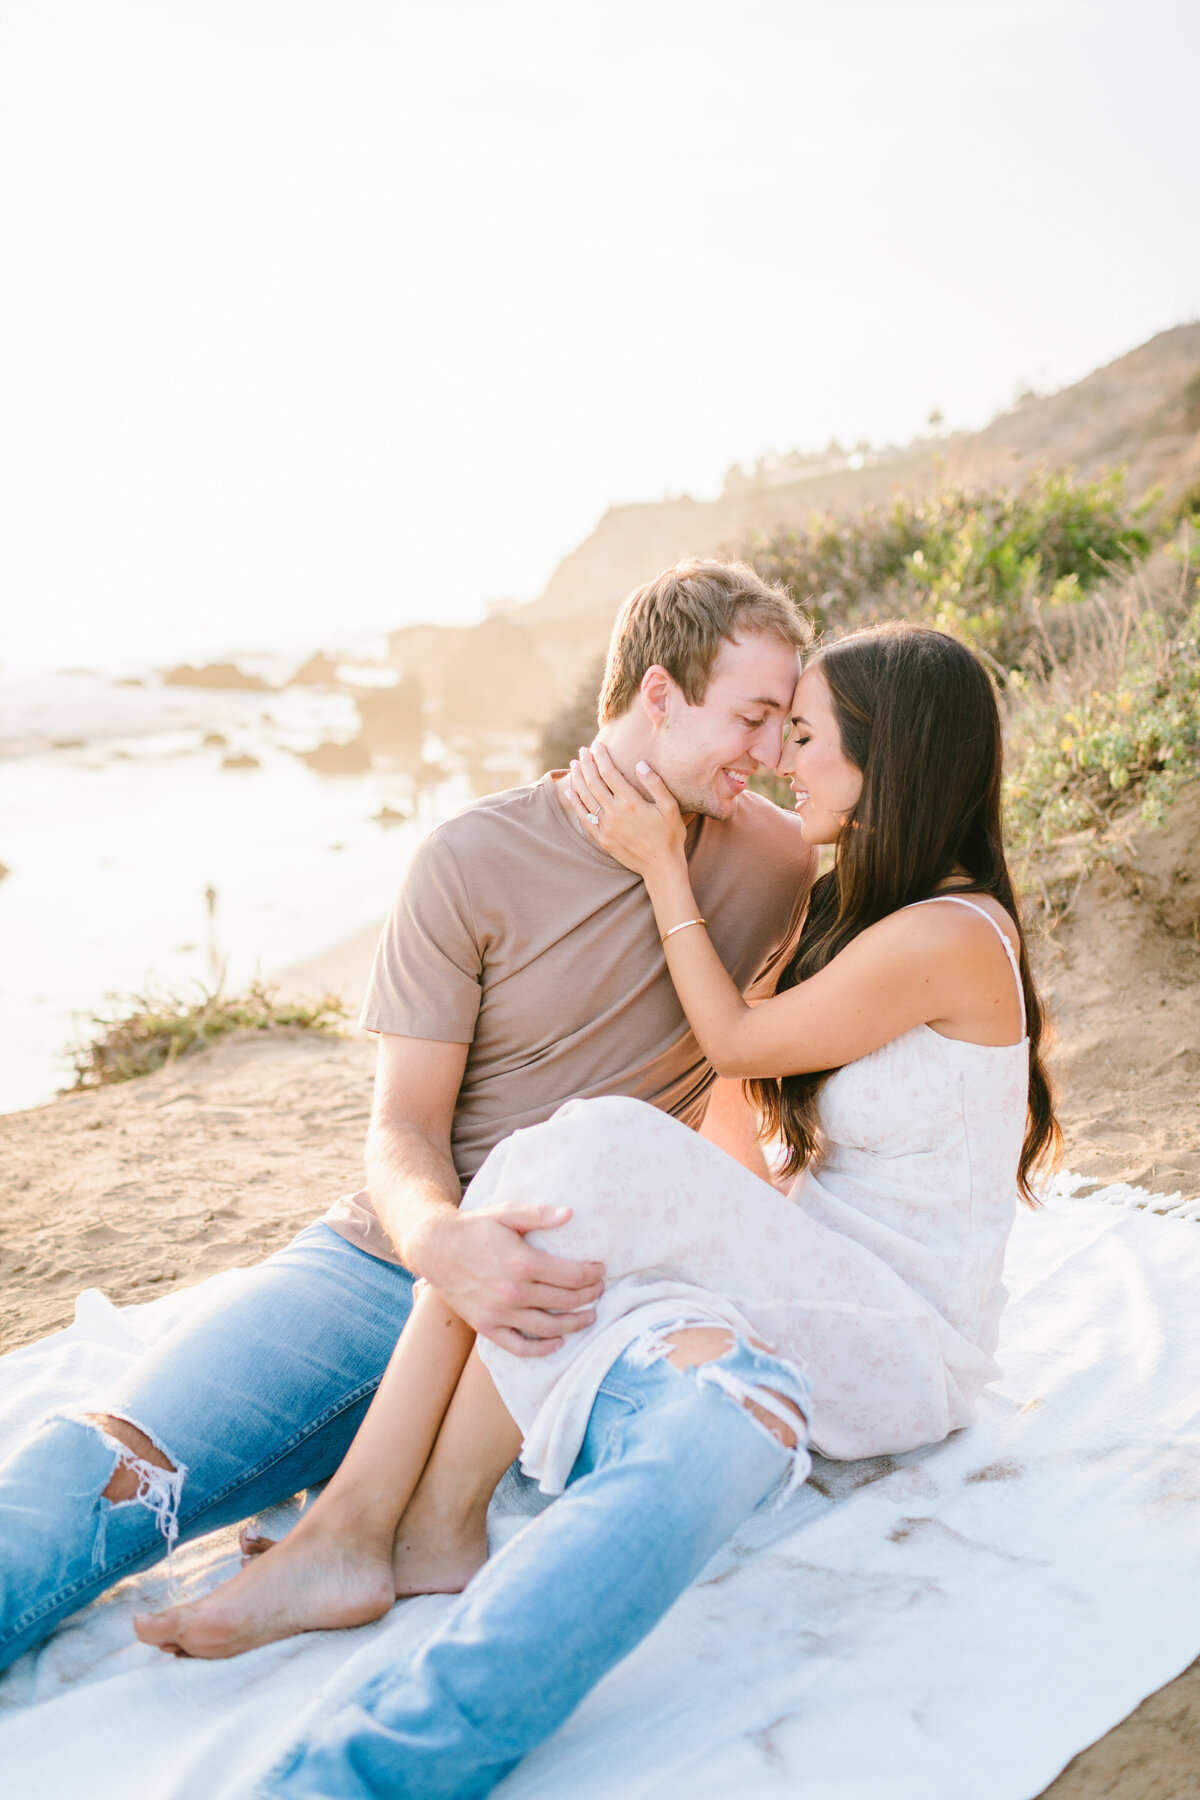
953,1624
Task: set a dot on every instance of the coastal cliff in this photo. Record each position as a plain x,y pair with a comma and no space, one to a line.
513,670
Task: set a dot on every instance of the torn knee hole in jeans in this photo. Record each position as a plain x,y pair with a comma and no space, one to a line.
757,1400
751,1376
158,1489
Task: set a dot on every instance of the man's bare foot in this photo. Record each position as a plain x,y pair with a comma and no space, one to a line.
313,1581
432,1556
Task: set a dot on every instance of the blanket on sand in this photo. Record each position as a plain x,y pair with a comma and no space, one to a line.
953,1624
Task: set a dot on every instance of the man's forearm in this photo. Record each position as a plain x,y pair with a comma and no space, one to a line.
413,1185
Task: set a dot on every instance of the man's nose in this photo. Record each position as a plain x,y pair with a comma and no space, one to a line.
767,747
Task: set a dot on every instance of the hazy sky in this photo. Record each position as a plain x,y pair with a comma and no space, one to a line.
318,317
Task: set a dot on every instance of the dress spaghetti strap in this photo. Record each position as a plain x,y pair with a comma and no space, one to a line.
958,900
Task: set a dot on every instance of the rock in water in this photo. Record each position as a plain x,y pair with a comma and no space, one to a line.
214,675
319,671
339,759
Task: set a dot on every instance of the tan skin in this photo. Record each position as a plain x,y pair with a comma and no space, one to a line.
406,1512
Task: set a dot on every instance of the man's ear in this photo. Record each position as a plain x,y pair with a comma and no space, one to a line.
657,691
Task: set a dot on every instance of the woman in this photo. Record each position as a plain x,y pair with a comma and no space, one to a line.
899,1063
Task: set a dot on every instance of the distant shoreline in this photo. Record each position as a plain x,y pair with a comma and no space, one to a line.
154,837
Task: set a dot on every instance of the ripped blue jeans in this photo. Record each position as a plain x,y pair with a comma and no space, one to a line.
254,1395
671,1464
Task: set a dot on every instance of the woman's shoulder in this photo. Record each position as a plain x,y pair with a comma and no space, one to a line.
942,963
954,925
967,913
953,913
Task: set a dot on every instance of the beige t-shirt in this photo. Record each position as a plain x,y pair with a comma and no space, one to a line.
515,934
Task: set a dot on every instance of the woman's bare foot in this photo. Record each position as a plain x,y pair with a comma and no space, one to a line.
312,1581
429,1558
437,1555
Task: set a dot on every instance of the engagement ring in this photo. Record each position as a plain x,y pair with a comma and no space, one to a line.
594,818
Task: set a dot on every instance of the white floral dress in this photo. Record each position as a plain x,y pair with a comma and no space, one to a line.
879,1274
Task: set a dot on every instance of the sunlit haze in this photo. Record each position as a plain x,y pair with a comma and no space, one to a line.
326,318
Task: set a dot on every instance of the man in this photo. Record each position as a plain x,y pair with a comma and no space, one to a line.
520,967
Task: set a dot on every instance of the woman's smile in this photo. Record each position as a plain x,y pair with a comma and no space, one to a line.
825,784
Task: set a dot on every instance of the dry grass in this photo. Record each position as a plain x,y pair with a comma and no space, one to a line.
152,1033
1103,731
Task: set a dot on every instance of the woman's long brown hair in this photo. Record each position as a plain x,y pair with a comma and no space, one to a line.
917,714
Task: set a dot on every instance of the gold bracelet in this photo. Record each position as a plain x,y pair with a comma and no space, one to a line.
683,927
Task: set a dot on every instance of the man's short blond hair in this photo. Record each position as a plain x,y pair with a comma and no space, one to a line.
680,620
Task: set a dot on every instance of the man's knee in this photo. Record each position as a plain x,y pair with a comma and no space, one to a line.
124,1482
696,1345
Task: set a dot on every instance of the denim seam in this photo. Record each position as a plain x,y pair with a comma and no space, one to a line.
380,1683
112,1570
616,1391
618,1428
298,1437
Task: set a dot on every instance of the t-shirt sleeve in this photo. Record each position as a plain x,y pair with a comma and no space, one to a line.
425,982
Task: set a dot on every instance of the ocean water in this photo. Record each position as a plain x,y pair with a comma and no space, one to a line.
118,821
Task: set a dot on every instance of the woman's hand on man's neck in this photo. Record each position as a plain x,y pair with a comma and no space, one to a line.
626,757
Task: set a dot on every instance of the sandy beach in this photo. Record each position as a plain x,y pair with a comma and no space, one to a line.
215,1161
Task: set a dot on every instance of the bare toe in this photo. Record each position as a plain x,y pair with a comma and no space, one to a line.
159,1629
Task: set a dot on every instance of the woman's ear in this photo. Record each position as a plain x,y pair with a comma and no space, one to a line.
656,690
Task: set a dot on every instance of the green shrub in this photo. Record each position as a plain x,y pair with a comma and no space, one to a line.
1186,509
1099,663
985,566
1090,743
573,724
156,1032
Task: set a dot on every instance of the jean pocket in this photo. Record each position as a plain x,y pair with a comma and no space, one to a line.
622,1393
